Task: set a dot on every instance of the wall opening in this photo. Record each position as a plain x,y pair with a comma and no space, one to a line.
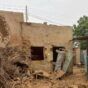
37,53
55,54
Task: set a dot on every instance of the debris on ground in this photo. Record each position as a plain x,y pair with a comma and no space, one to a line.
14,64
16,72
41,73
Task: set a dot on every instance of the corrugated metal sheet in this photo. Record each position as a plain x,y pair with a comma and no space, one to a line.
68,61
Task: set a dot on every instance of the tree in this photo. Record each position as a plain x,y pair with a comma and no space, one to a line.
81,29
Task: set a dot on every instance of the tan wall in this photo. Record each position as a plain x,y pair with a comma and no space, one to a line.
77,55
47,36
13,20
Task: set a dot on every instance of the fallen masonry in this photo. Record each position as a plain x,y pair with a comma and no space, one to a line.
15,66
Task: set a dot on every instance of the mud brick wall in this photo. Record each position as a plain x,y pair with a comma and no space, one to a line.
47,36
12,21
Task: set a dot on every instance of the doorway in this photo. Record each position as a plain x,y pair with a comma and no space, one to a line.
55,54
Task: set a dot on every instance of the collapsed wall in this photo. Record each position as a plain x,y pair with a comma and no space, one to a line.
10,26
13,51
4,32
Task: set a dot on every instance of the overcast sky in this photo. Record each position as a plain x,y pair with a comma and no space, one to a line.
61,12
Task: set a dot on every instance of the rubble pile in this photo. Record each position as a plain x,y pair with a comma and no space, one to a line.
14,64
16,72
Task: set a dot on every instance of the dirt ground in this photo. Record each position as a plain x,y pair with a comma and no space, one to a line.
77,80
12,74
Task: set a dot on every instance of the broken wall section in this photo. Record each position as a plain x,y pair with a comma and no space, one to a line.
11,22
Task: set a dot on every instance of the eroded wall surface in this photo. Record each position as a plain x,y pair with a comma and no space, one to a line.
47,36
12,21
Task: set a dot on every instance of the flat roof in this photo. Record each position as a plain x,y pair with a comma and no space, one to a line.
81,38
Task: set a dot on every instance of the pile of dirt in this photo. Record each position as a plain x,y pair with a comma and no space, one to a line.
15,72
14,64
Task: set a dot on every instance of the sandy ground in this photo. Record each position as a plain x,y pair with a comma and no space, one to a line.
77,80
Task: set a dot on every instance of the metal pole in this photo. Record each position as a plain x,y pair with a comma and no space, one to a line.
26,13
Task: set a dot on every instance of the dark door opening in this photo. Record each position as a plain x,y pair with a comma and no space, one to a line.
37,53
55,54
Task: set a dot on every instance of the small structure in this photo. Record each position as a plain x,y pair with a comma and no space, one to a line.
76,54
44,39
84,55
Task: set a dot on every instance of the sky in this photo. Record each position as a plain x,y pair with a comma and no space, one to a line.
59,12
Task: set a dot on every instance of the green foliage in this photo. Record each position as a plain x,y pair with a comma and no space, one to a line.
81,29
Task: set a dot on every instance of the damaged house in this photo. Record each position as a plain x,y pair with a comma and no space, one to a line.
43,39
